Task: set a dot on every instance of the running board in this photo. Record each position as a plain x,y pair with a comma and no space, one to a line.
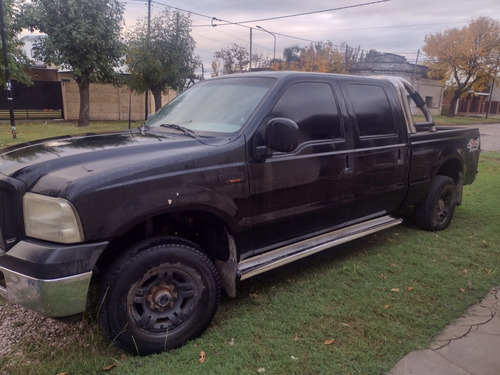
287,254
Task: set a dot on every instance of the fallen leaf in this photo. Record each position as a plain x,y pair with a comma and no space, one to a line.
254,295
393,264
329,342
107,368
383,276
232,341
296,338
410,288
464,271
203,357
394,290
470,285
261,370
462,290
63,373
386,307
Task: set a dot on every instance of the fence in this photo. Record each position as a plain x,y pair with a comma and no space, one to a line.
42,100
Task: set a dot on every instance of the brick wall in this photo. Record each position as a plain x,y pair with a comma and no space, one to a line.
108,102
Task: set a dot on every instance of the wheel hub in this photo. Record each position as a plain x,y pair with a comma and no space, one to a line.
161,297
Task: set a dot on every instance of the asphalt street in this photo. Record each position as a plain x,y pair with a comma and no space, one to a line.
490,136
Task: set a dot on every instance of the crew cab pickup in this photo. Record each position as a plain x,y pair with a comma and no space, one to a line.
234,177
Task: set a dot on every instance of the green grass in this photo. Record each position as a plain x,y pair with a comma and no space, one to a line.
28,131
461,120
379,298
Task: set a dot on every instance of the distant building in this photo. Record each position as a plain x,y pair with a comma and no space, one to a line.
388,64
481,103
54,94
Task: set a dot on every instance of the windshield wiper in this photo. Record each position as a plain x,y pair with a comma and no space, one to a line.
184,130
143,127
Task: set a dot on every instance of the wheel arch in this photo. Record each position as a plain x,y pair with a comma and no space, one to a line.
206,230
453,167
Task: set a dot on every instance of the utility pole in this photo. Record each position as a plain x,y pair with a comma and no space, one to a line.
274,36
250,67
146,101
8,83
415,68
491,94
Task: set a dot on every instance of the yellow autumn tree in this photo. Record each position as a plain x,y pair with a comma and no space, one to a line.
322,57
317,57
466,59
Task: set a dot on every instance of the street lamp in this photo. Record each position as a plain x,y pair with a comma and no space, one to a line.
274,36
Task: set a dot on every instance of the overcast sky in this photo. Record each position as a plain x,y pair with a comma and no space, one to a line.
396,26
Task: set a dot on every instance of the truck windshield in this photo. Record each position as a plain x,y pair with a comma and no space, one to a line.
219,106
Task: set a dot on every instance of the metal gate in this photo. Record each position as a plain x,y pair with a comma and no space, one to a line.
42,100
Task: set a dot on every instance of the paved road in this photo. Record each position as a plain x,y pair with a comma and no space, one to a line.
490,136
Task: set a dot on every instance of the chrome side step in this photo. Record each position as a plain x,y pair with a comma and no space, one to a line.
287,254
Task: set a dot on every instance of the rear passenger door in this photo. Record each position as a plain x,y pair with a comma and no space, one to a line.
381,147
300,193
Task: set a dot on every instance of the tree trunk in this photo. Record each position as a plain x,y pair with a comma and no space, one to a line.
83,118
453,105
157,95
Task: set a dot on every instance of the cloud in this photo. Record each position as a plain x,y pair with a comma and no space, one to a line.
396,26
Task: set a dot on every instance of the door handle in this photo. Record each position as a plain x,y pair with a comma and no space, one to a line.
400,157
348,164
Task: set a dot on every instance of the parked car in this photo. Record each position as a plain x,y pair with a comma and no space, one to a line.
234,177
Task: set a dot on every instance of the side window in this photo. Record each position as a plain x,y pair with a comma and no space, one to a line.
372,109
313,107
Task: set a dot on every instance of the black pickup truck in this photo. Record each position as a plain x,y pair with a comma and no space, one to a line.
236,176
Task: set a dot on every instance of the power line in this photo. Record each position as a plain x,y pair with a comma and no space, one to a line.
242,23
306,13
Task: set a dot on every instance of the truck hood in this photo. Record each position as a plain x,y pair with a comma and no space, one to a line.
51,165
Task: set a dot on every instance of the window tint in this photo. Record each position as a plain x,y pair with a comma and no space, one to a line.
313,107
372,109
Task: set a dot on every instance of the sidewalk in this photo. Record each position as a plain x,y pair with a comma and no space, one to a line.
468,346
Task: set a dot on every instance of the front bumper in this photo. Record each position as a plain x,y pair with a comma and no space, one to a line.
53,298
49,278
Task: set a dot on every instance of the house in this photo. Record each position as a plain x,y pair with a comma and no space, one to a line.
388,64
54,94
482,103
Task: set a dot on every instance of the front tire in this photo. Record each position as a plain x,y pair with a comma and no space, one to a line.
158,297
436,212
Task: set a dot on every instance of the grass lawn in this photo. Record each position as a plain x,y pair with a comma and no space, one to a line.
461,120
355,309
28,131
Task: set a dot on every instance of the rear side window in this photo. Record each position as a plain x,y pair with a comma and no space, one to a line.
372,109
313,107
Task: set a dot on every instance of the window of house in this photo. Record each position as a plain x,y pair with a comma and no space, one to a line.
429,101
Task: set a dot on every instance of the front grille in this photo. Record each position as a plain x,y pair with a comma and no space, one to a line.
11,225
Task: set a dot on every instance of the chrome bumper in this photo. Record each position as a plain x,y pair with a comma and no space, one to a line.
54,298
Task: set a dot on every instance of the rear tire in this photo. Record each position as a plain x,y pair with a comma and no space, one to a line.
158,297
436,212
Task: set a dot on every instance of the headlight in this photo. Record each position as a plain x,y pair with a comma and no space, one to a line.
51,219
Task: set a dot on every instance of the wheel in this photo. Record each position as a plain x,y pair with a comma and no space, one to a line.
159,296
436,212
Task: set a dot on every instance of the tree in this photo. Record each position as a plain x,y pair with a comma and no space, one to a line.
467,59
83,35
161,56
235,59
322,57
18,62
317,57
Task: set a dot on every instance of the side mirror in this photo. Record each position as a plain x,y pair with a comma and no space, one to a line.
282,135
